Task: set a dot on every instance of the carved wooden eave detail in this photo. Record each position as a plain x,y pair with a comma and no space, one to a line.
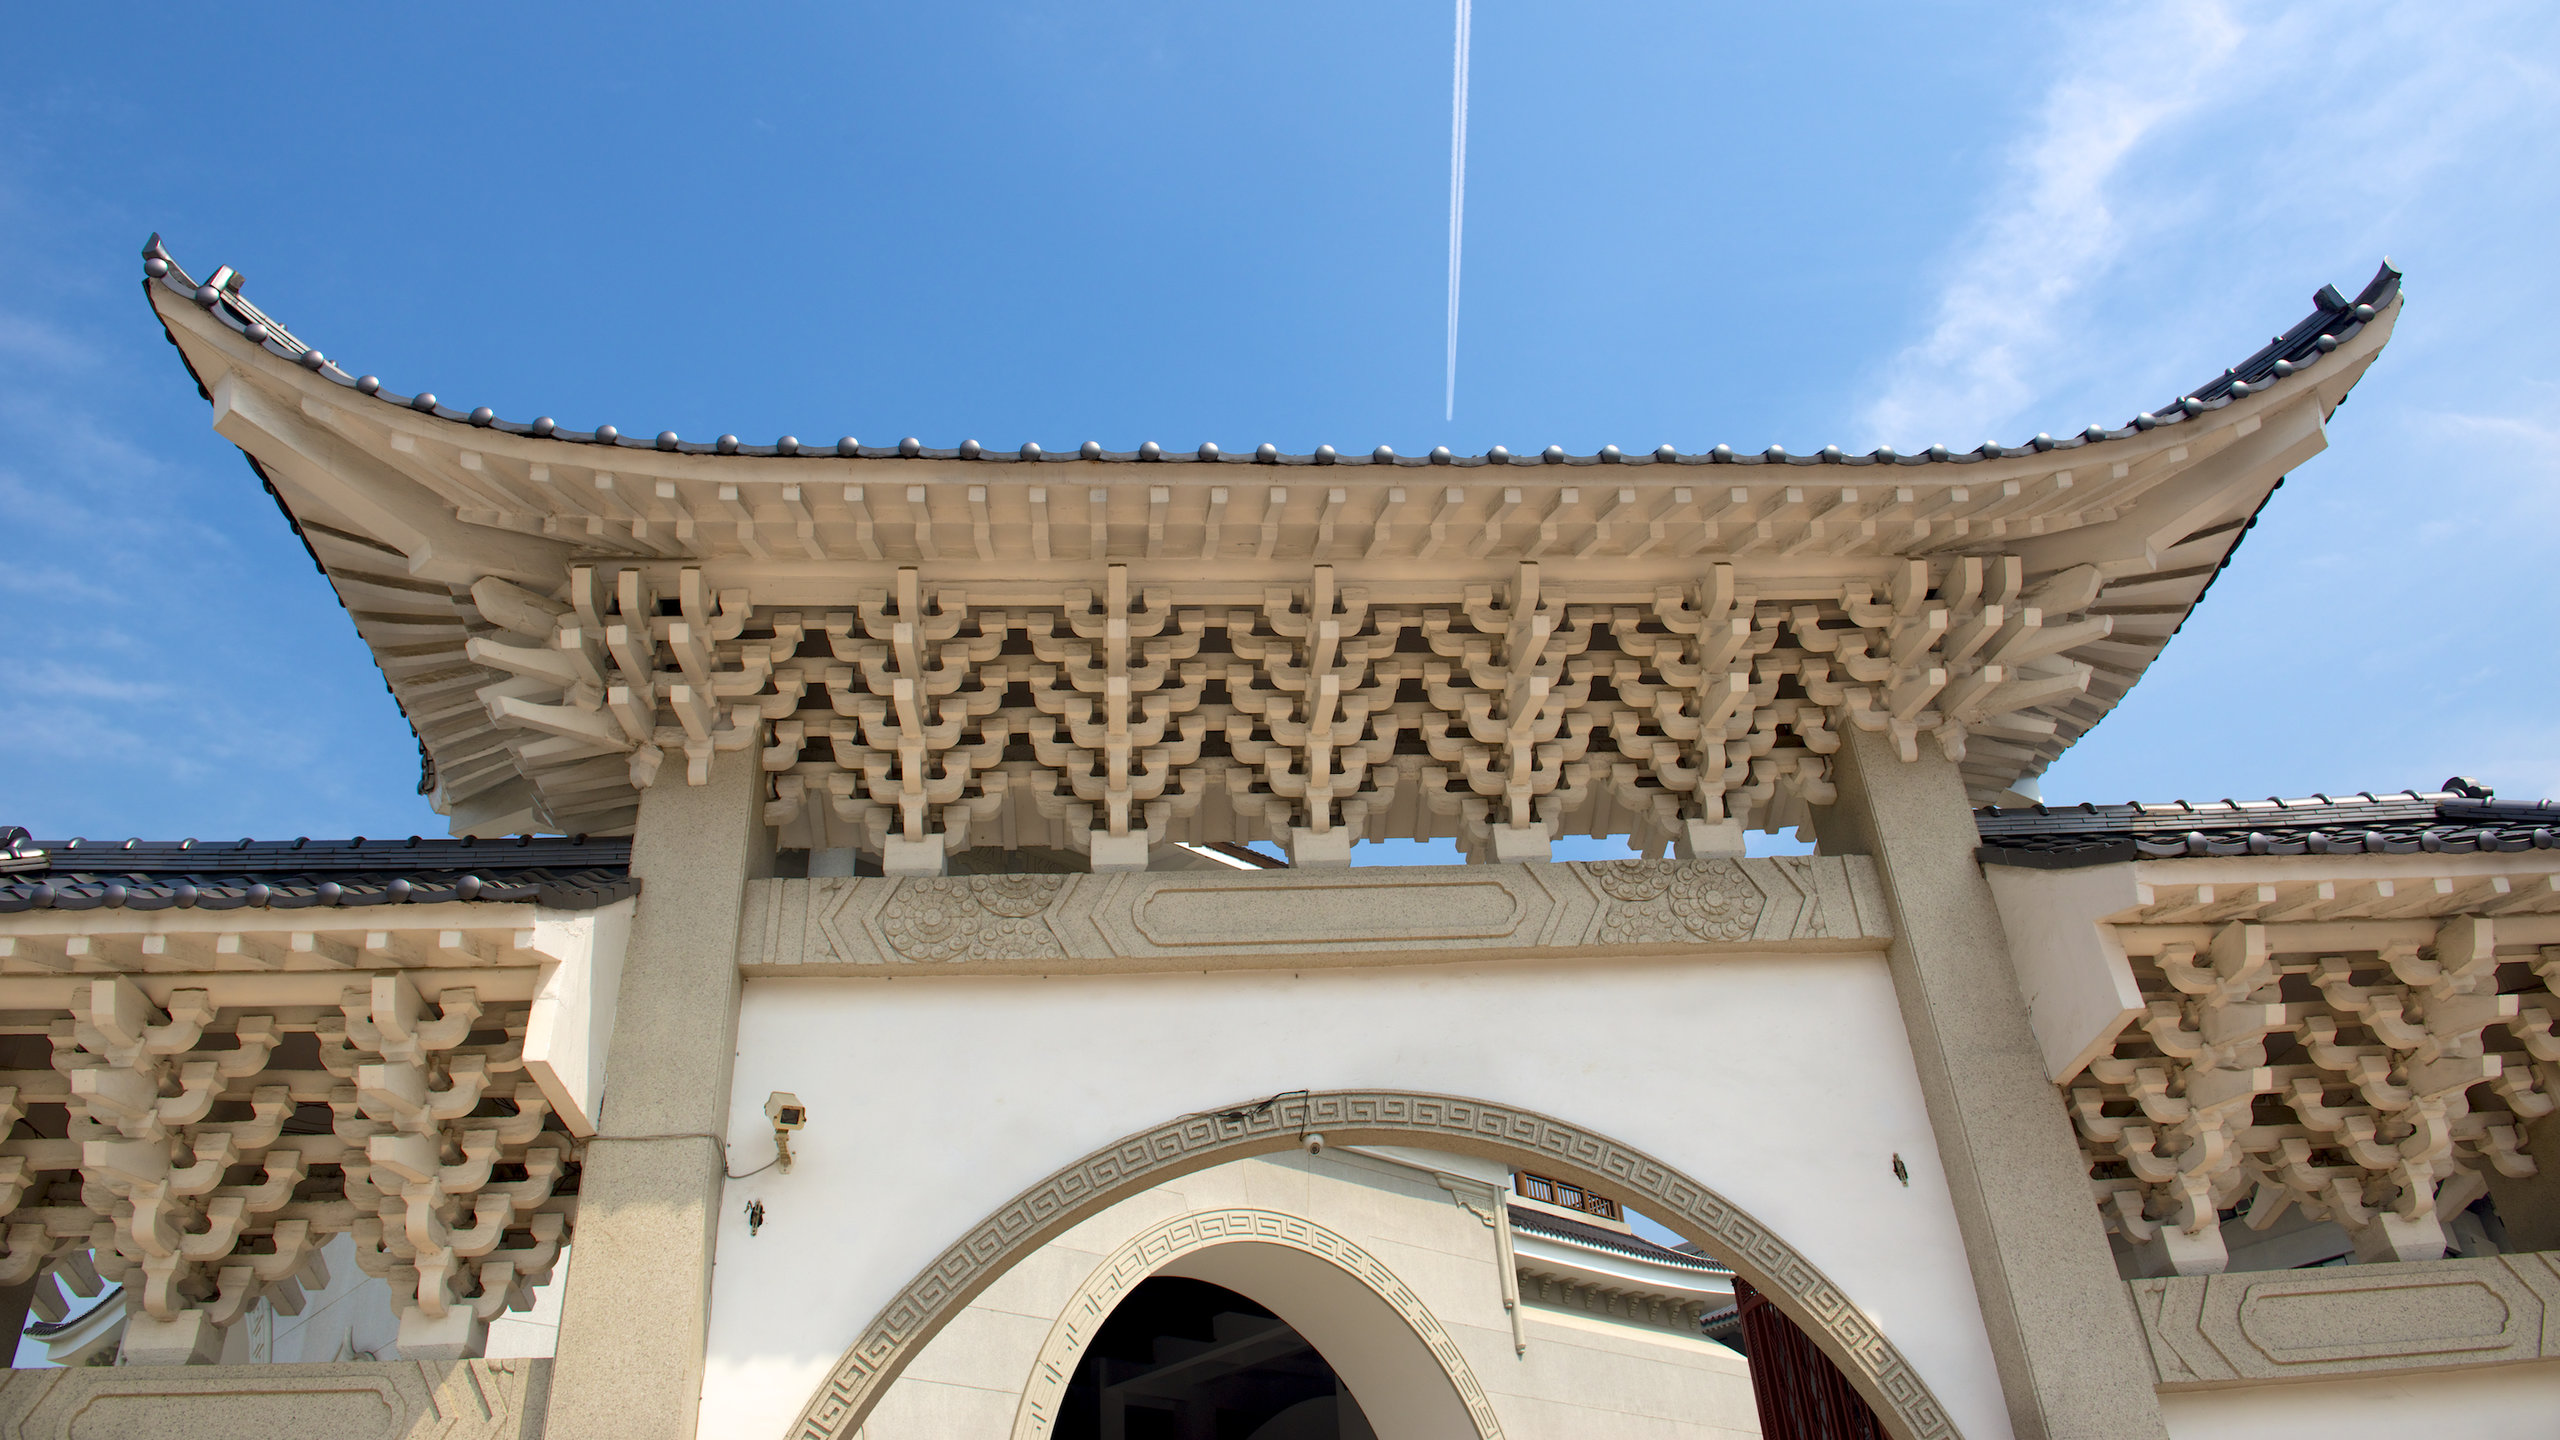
2362,1038
174,1068
937,649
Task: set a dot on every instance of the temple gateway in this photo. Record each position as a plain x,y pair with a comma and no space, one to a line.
901,968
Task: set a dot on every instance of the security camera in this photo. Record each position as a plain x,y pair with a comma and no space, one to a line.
1314,1143
787,1114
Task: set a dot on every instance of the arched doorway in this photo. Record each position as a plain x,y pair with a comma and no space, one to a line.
1184,1359
1398,1367
1873,1365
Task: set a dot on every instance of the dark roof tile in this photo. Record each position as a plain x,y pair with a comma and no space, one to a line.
2452,821
572,874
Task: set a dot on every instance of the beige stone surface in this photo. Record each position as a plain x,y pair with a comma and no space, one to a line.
2207,1331
2079,988
631,1335
1073,924
360,1400
2516,1402
2069,1353
1584,1377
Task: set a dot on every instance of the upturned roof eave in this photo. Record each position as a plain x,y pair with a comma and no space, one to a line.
2200,479
2334,315
2044,528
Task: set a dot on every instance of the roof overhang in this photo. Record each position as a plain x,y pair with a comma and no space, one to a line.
1695,630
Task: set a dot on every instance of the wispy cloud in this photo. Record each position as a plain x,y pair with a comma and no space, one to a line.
2199,128
27,339
2057,223
52,679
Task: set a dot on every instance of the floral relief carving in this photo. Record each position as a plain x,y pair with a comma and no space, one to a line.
975,917
1279,919
1657,901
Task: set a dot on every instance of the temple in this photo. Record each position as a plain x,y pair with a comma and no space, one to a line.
902,964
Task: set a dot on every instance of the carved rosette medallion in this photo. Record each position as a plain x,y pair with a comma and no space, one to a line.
975,917
1657,901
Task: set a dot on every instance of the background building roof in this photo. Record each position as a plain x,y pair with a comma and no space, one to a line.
572,874
2461,819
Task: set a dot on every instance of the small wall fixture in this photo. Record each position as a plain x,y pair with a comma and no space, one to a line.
787,1114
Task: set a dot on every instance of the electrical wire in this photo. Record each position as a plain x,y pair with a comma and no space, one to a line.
701,1135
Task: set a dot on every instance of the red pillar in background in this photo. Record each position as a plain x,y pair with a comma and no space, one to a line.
1802,1395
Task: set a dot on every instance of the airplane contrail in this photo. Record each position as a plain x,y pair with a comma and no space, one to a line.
1457,191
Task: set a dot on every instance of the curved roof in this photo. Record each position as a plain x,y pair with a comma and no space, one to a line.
2334,319
415,509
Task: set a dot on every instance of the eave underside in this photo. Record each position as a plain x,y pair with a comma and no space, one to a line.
1609,646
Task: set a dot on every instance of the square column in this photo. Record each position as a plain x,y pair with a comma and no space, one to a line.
2070,1351
635,1320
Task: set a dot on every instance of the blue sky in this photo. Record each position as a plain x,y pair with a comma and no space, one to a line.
1694,223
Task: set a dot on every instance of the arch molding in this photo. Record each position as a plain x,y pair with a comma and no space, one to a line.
1161,1244
1380,1117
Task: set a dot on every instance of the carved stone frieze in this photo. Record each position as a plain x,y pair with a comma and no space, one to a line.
1677,900
1017,924
995,917
2216,1330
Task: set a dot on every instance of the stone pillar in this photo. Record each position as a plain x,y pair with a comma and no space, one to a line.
634,1322
2070,1351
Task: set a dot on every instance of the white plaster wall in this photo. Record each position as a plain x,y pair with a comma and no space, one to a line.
2506,1402
1784,1082
1582,1377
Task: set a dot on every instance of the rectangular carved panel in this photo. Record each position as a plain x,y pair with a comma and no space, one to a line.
1321,910
1021,924
2208,1331
351,1400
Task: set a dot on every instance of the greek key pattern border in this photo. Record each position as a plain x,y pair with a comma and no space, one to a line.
1194,1142
1160,1244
